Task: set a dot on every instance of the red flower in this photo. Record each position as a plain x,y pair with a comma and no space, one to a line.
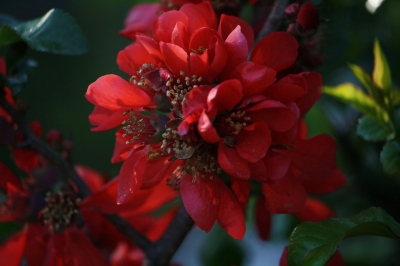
222,114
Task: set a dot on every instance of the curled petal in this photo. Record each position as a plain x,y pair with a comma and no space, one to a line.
263,219
314,85
236,46
224,97
228,23
241,188
115,93
308,17
166,23
206,129
175,58
201,15
314,211
105,119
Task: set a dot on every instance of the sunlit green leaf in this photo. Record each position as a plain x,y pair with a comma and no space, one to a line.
354,96
381,72
363,77
390,158
313,244
56,32
8,35
370,130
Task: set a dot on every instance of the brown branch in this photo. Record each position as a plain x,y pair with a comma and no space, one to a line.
275,19
173,237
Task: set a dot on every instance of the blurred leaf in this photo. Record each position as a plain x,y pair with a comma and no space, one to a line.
56,32
390,158
351,94
363,77
371,130
315,243
19,80
15,53
381,72
395,97
8,35
7,19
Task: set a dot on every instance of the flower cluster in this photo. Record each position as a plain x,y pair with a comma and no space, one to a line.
214,116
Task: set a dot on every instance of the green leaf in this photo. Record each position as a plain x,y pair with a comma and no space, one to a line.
56,32
354,96
8,35
363,77
370,130
315,243
390,158
381,72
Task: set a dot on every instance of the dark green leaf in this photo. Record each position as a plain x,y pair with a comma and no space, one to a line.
381,72
314,243
56,32
390,158
351,94
370,130
8,35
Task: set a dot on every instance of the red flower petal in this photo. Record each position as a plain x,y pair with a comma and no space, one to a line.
232,163
12,250
236,46
132,174
201,15
93,179
114,93
199,64
285,195
105,119
9,180
277,50
224,97
314,157
263,219
314,211
131,59
72,247
152,46
121,149
241,189
36,244
228,23
206,129
230,215
284,92
275,114
277,165
180,36
253,142
255,78
314,85
175,57
324,185
308,17
199,199
166,23
136,21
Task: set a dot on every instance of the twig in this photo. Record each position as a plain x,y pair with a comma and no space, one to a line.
274,20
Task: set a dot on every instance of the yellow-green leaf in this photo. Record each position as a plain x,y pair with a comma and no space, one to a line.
363,77
381,72
354,96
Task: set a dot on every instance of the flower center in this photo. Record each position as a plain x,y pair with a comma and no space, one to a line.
181,148
60,210
230,125
178,87
139,79
139,127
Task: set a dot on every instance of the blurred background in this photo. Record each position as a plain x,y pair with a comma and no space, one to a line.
56,88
